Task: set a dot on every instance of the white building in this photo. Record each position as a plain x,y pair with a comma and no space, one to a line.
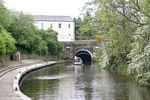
64,25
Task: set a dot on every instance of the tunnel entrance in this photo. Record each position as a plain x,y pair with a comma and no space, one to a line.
85,55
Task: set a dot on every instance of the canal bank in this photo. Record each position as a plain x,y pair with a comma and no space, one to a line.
9,83
71,82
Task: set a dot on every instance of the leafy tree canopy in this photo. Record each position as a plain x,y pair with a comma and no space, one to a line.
5,19
7,42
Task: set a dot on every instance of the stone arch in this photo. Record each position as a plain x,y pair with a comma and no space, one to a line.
85,55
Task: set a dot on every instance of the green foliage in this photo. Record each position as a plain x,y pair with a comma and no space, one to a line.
78,22
5,19
87,27
47,35
118,31
24,31
32,40
140,53
7,42
127,41
140,56
28,38
22,27
50,38
55,48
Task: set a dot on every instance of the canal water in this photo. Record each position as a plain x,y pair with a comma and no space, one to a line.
70,82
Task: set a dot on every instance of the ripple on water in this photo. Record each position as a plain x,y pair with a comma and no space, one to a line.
51,77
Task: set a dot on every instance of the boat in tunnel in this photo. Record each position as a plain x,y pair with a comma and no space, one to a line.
85,56
77,61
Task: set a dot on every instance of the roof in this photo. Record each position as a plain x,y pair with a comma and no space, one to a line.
53,18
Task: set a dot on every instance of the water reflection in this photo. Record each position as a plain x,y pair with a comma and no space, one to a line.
68,82
50,77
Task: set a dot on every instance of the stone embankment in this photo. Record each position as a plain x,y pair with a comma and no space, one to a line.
10,81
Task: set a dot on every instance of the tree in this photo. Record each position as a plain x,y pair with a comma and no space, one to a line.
118,30
50,38
7,43
24,31
28,38
5,19
86,28
140,55
78,23
127,36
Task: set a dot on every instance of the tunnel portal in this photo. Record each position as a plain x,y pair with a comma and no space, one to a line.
85,55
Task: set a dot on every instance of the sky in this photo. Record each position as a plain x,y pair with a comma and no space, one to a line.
47,7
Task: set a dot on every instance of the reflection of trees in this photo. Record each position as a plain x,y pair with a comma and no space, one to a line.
36,88
87,79
91,83
138,93
33,88
123,88
84,82
98,84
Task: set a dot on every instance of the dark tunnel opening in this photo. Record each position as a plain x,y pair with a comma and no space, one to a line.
85,56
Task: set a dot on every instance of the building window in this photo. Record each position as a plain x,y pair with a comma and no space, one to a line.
59,25
68,25
51,25
42,25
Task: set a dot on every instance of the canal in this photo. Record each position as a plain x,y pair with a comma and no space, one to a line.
68,82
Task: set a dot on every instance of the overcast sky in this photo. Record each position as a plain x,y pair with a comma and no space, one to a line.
47,7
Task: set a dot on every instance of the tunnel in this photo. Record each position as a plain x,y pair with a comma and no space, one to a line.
85,55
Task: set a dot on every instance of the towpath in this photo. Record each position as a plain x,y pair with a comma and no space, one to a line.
7,76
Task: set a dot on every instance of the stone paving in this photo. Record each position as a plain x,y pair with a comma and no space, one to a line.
6,87
6,81
17,64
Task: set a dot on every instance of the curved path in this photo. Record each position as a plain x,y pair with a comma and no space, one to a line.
8,78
